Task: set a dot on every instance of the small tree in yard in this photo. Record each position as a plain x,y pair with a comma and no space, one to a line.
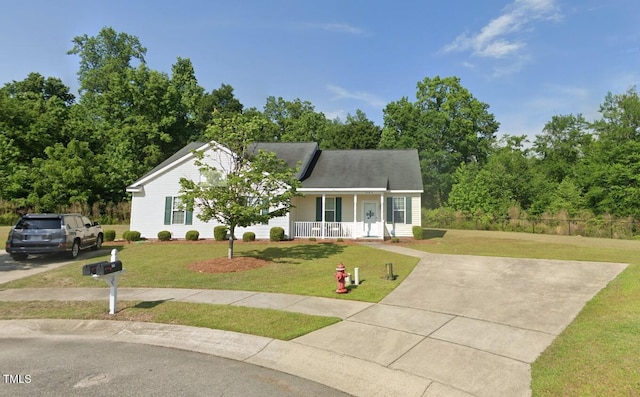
250,189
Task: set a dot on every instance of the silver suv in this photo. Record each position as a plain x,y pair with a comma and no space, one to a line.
52,233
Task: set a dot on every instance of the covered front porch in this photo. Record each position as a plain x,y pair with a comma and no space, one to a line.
339,215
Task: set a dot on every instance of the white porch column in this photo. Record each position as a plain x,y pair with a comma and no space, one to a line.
355,207
381,226
324,198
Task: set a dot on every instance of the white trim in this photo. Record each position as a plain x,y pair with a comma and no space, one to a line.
135,189
342,190
357,190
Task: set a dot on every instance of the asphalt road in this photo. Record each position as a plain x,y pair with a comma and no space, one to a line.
65,367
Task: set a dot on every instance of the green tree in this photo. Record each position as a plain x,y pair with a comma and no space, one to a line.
562,145
610,172
504,181
295,121
33,113
138,117
358,132
68,175
447,125
252,188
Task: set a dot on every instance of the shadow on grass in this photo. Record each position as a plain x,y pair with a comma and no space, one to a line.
433,233
296,253
149,304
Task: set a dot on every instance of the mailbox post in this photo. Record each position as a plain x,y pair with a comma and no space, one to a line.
109,272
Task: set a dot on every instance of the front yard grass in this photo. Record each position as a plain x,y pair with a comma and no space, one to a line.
293,268
262,322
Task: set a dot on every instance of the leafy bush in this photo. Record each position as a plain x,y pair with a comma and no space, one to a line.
418,232
220,233
340,240
276,234
192,235
164,235
8,219
312,239
131,235
248,236
395,239
109,235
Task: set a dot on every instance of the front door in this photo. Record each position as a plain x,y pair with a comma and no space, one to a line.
370,217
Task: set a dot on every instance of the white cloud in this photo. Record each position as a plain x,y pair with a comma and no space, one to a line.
499,38
366,97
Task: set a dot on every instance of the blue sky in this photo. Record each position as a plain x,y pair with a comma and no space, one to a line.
527,59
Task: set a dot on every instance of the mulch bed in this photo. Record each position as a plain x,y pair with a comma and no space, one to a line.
226,265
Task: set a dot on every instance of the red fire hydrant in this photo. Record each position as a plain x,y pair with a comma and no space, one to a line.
341,276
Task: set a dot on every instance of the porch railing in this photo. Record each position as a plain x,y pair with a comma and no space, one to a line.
331,229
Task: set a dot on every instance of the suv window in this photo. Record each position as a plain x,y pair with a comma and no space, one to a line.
38,223
85,221
72,221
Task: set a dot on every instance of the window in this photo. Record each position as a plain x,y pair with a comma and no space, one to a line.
175,213
398,210
330,209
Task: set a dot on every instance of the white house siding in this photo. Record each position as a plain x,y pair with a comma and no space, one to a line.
148,206
405,229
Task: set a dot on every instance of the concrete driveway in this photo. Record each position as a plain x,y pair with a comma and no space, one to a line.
472,325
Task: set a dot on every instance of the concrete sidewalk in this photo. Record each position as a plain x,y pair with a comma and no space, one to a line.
457,326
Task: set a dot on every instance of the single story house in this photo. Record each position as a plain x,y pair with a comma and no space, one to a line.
349,194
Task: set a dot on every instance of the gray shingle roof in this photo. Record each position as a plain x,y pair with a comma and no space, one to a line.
335,169
293,153
361,169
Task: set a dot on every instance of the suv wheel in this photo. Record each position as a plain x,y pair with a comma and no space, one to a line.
98,243
75,249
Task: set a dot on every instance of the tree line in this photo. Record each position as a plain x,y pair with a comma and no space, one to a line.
58,149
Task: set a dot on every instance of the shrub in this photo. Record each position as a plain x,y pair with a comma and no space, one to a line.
418,232
248,236
109,235
164,235
220,233
276,234
312,239
395,239
340,240
192,235
131,235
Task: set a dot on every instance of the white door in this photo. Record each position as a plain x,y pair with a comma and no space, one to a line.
370,216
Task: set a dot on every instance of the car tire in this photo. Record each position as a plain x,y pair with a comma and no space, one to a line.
98,243
19,257
75,249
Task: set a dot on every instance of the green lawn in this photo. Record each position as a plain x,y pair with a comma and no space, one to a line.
263,322
295,268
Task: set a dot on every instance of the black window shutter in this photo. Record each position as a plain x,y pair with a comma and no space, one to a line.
407,207
338,209
389,209
318,209
168,201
